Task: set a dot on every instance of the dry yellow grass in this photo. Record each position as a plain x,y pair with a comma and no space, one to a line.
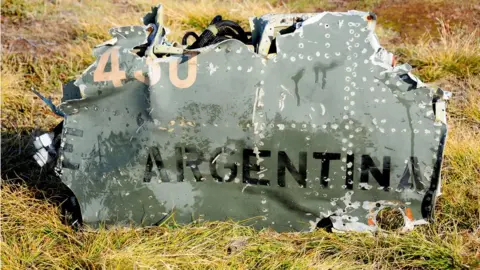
39,240
46,43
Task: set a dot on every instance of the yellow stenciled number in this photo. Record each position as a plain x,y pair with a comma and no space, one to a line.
115,74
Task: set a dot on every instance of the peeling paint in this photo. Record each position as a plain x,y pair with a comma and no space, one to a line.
265,135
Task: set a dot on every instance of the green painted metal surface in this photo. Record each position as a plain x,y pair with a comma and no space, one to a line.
326,127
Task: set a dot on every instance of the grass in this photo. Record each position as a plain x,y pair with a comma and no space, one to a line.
47,43
40,240
456,54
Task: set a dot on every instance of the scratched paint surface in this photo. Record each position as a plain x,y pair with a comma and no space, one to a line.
323,129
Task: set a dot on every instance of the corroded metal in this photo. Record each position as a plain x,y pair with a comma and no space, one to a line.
327,126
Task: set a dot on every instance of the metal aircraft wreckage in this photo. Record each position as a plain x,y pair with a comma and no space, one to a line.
303,120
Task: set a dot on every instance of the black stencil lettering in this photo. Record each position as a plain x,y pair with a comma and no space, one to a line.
412,168
179,163
194,163
248,166
213,167
350,171
285,162
155,153
368,166
417,174
325,157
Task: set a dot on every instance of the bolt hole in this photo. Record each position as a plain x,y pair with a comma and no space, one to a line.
325,223
390,219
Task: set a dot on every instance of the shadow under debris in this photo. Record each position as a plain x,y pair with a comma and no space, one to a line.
18,167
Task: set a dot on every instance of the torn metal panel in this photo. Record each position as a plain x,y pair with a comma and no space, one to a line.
322,125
